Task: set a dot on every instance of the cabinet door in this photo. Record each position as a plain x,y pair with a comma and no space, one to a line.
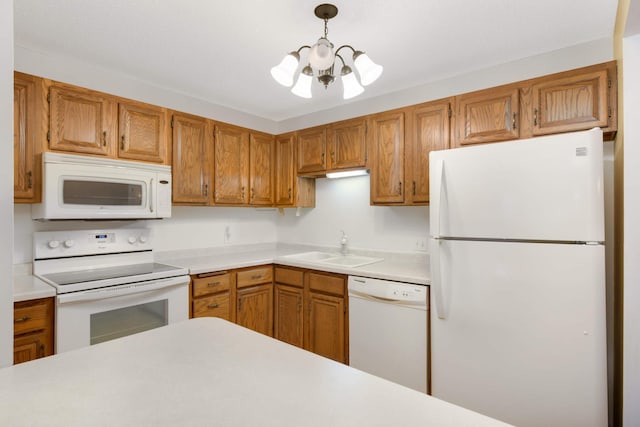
255,308
82,121
231,165
285,169
288,315
142,132
312,148
488,116
30,347
261,157
326,326
25,130
347,146
386,142
575,102
191,166
430,129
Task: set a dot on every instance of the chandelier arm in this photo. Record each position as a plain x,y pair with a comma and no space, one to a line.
347,46
302,47
341,60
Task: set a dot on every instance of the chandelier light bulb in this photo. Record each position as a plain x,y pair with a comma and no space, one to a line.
303,85
321,54
284,71
368,70
351,87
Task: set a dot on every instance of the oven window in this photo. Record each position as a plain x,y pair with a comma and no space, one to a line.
109,325
76,192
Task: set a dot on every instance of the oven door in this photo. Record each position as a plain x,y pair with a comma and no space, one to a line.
94,316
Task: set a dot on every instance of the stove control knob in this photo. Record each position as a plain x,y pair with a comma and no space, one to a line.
132,239
68,243
53,244
143,239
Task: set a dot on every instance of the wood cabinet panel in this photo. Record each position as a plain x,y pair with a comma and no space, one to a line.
142,132
329,283
261,172
26,111
575,102
217,305
488,116
231,165
288,314
255,276
430,130
81,121
255,308
191,167
347,144
32,329
326,326
291,190
211,284
289,276
312,149
385,140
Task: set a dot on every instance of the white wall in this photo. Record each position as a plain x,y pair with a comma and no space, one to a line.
6,181
343,204
631,352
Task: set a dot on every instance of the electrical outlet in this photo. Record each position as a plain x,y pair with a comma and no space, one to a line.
227,234
421,244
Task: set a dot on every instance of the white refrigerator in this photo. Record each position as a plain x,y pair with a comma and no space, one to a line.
518,280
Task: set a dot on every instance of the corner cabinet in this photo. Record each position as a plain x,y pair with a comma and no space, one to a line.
27,112
312,151
291,190
385,139
192,160
288,314
32,329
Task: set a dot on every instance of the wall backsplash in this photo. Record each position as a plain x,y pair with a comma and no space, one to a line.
341,204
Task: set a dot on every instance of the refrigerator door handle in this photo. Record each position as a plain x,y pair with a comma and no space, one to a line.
437,198
436,278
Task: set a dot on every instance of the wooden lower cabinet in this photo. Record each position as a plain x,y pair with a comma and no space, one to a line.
255,308
326,326
32,329
211,295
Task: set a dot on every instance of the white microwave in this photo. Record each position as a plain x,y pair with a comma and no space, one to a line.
81,187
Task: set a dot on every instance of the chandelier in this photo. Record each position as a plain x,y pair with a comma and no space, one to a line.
321,62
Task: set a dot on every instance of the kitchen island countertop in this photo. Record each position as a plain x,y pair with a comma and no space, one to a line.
208,371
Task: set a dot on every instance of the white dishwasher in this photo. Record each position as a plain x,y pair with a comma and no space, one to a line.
388,330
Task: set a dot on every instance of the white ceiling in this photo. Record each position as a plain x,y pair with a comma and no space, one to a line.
222,51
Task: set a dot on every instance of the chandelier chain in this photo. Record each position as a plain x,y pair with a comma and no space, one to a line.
326,28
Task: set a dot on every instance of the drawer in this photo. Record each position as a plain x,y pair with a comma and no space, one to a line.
210,284
213,306
326,283
289,276
255,276
31,316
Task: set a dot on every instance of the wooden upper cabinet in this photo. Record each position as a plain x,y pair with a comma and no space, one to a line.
291,190
142,132
488,116
312,149
385,140
347,144
577,101
26,129
191,167
261,173
231,165
430,130
82,121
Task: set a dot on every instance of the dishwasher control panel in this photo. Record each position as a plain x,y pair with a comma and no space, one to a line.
406,293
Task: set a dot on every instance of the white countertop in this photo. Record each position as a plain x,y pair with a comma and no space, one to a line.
28,287
206,372
402,267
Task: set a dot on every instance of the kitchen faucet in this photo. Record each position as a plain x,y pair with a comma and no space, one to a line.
343,243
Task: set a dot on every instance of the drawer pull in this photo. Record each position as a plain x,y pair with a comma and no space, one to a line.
22,319
212,306
212,284
256,277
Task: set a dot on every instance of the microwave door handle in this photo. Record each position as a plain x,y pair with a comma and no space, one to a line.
151,196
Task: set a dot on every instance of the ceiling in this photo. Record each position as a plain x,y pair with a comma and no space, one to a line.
222,51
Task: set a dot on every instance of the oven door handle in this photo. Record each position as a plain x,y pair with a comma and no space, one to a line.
121,290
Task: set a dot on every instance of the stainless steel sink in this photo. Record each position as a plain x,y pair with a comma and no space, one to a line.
317,257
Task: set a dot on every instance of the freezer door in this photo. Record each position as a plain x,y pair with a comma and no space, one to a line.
547,188
523,338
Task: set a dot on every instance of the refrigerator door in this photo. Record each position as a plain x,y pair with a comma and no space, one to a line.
523,339
547,188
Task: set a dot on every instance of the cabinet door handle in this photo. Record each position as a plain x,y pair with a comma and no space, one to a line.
29,179
256,277
535,117
206,190
212,306
41,350
22,319
253,193
333,157
122,142
322,159
400,187
242,193
289,193
299,307
513,122
212,284
104,138
413,189
239,303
